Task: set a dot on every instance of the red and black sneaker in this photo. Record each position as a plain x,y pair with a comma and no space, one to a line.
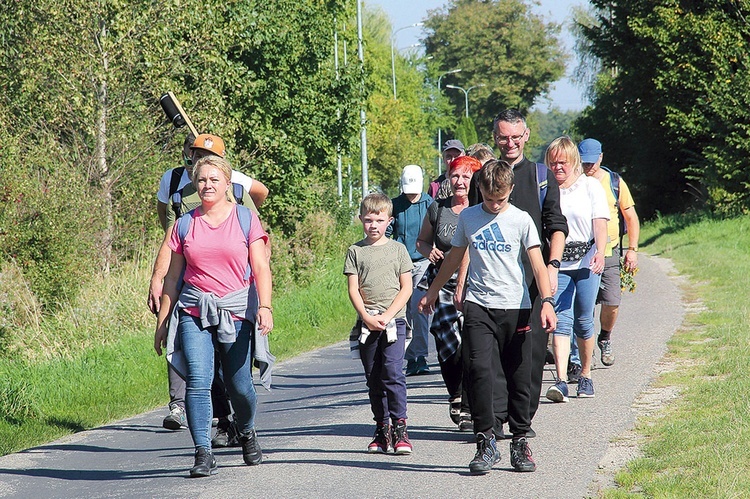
401,444
381,441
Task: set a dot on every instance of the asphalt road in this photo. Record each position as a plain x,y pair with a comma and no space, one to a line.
315,425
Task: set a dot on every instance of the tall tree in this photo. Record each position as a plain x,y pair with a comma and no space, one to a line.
671,103
499,43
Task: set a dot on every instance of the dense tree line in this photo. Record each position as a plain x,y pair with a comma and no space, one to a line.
671,100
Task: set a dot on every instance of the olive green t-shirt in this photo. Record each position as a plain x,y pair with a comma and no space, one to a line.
379,269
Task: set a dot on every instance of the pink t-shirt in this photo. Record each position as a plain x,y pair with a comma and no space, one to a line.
216,257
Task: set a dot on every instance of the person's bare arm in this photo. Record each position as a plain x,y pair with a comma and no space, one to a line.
161,210
258,192
161,267
168,300
634,233
556,246
263,282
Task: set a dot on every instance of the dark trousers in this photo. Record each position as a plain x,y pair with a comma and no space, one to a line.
219,397
386,381
505,333
539,338
455,373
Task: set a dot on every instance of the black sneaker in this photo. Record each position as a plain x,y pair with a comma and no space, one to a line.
251,453
205,463
400,438
227,434
520,455
465,422
487,454
412,367
381,441
454,410
574,372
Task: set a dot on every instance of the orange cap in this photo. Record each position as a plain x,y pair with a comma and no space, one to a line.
210,143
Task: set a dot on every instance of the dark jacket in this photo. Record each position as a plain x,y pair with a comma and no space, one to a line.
407,222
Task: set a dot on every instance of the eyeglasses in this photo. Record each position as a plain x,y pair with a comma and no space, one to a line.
503,140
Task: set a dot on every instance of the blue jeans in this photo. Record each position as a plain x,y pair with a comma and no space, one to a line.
575,302
420,323
200,346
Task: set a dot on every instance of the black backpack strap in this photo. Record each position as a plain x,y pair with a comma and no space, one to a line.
174,181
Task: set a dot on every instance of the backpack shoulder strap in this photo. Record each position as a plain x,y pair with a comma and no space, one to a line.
541,182
174,181
244,217
183,225
239,192
614,184
177,203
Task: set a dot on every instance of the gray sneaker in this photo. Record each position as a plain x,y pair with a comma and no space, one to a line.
176,420
226,435
608,358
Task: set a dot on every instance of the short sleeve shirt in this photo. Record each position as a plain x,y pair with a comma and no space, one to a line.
443,220
496,243
581,203
626,201
379,268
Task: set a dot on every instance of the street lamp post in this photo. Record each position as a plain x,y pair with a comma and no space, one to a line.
440,132
393,54
466,94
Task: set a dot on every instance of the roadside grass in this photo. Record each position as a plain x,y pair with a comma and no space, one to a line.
699,444
94,362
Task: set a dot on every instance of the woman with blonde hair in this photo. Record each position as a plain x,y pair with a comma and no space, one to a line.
584,204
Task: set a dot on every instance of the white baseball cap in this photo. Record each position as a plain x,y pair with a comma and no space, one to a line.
412,179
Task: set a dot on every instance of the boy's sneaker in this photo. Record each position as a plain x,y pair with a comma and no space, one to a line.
520,455
574,372
487,454
401,444
381,441
558,392
205,463
465,423
251,452
585,388
227,434
176,420
608,358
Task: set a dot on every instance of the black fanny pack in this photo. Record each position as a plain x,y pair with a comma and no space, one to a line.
575,251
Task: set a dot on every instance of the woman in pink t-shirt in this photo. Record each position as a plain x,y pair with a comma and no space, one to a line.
218,308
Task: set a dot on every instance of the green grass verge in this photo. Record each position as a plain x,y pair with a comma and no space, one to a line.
41,400
699,444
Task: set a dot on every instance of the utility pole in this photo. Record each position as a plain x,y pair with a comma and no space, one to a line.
362,116
440,132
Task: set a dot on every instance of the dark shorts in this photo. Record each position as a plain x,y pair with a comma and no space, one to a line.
609,289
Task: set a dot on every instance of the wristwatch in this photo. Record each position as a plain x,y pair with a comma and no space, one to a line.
549,299
554,263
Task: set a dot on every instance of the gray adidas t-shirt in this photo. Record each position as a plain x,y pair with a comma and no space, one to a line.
379,269
496,243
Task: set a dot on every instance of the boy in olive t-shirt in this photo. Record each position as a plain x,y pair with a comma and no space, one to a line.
378,271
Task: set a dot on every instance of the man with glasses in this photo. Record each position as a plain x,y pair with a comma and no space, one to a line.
540,198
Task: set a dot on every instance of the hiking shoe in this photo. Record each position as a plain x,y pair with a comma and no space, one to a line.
176,420
381,441
520,455
608,358
422,367
227,434
574,372
205,463
558,392
412,367
454,410
464,422
487,454
585,388
401,444
251,453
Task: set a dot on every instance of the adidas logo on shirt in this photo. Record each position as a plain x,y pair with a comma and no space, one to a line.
491,239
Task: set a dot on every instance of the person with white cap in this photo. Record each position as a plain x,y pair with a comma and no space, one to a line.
409,209
622,211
